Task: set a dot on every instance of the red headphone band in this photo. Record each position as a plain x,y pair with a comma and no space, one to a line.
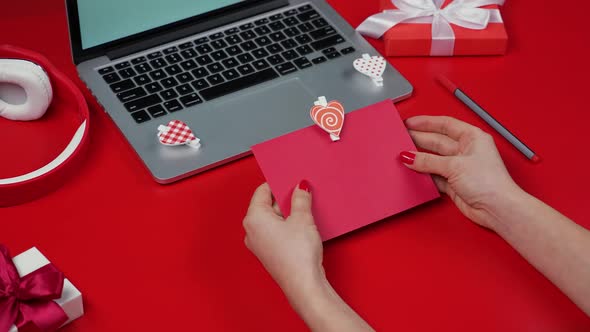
31,188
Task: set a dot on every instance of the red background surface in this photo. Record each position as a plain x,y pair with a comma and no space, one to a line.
164,258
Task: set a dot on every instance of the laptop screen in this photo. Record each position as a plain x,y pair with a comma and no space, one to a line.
108,20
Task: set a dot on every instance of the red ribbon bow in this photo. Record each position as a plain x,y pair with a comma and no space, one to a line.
27,302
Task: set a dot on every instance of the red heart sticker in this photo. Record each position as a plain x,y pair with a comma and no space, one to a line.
329,117
177,133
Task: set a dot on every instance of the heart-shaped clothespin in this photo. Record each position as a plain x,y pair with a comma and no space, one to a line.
372,66
177,133
328,116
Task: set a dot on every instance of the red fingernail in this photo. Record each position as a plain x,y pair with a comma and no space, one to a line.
407,157
304,185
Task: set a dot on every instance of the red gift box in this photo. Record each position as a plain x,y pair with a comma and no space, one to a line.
415,39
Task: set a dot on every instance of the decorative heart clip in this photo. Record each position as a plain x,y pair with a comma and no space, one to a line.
372,66
328,116
177,133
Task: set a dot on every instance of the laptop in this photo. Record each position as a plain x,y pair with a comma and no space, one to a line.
237,72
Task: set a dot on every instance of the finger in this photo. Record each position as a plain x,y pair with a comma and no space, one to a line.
441,144
301,200
427,163
444,125
441,183
262,199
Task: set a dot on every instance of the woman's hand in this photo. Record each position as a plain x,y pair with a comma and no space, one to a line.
468,166
290,249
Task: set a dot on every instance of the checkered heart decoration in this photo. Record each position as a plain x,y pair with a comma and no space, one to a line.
372,66
177,133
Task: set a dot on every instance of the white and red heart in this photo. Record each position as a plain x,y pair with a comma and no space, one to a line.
372,66
177,133
329,117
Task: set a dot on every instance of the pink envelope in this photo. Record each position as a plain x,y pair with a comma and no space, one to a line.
355,181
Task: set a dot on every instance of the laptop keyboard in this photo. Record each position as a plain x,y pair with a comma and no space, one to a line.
193,72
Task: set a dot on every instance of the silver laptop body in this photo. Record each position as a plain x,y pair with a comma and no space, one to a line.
234,112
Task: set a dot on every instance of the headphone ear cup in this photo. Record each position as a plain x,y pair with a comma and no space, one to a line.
36,84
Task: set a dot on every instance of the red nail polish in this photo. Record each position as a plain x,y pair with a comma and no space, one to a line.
304,185
407,157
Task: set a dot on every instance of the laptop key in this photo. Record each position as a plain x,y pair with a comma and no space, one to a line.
247,35
186,45
169,82
275,59
276,26
322,33
200,84
204,49
111,78
191,100
216,36
286,68
106,70
231,31
184,77
153,87
303,39
302,63
230,63
170,50
200,72
218,44
277,36
219,55
276,17
333,55
230,74
327,42
215,79
320,22
158,74
261,21
173,106
157,111
233,50
154,55
304,50
306,27
204,60
290,55
188,53
348,50
245,58
123,65
308,15
142,79
262,41
215,68
290,12
129,95
260,64
140,117
329,50
143,68
188,65
201,40
239,84
305,8
260,53
127,72
246,26
275,48
139,60
289,43
263,30
173,58
319,60
233,39
173,70
169,94
122,86
158,63
246,69
248,46
290,21
142,103
291,32
184,89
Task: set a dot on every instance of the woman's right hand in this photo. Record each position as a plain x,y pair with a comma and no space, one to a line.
467,166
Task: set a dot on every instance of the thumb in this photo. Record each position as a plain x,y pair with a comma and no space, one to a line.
301,199
427,162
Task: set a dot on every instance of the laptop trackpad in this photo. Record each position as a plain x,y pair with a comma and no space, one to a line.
267,113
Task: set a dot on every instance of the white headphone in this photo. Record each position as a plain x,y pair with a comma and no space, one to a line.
31,78
25,94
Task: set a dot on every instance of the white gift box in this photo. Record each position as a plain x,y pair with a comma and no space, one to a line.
71,298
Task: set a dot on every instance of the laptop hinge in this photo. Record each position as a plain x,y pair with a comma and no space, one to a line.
193,28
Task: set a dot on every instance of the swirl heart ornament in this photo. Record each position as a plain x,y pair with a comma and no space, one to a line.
177,133
372,66
328,116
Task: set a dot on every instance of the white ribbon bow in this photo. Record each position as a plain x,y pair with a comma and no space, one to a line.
464,13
